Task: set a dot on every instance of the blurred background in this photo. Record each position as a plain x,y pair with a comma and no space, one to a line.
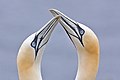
20,18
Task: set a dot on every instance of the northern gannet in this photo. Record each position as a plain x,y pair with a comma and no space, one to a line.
86,44
30,53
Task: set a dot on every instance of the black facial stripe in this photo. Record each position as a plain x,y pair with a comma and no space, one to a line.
34,43
70,26
79,29
49,28
68,35
43,44
73,35
80,39
36,47
70,20
56,12
72,29
45,35
45,27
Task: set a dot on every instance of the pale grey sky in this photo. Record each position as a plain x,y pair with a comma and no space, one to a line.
20,18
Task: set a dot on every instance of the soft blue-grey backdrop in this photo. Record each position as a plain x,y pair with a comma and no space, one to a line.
20,18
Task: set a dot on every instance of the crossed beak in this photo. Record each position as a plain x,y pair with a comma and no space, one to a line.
68,24
71,27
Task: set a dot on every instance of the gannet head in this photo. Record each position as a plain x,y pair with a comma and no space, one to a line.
32,48
82,37
86,43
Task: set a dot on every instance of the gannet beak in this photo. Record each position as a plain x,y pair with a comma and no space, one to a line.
71,27
68,24
42,36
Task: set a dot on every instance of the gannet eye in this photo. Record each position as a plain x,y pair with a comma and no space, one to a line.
81,31
34,42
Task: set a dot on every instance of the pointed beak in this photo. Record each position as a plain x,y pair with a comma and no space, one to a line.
42,36
71,27
68,24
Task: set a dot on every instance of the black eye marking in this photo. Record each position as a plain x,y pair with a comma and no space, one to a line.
35,44
70,27
81,32
69,35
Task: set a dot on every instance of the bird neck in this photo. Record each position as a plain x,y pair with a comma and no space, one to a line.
87,65
32,73
29,70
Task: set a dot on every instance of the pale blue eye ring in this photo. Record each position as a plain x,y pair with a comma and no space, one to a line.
81,32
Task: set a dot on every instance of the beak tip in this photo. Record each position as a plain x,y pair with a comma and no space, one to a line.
54,12
51,9
57,16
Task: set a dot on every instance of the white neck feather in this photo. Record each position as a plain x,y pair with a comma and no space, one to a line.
32,72
29,68
87,65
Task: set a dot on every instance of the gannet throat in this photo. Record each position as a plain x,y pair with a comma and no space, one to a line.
30,53
86,44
